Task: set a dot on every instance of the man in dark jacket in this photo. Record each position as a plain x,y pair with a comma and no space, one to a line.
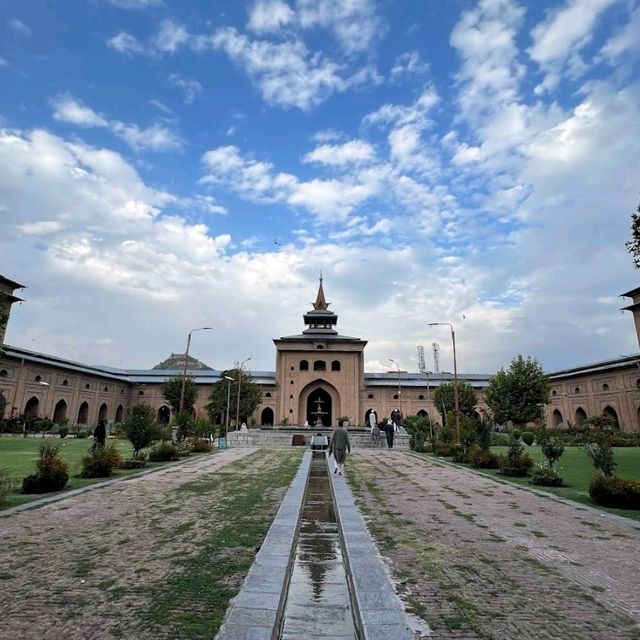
339,446
390,430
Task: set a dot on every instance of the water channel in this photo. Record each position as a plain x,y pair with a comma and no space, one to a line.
318,604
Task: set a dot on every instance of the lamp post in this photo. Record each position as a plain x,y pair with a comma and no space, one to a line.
455,377
226,422
240,387
184,369
399,388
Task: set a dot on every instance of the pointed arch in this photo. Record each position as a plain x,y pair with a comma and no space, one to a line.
164,414
119,414
102,414
334,397
83,413
267,417
610,412
60,412
556,419
32,406
581,416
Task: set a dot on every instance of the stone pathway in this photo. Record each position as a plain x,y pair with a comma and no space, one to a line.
84,568
478,559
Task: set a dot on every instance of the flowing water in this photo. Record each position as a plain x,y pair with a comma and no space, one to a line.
318,604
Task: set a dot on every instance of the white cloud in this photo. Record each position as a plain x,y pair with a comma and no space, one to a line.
560,37
125,43
19,27
354,151
625,40
67,109
191,88
156,137
409,63
136,4
266,16
170,36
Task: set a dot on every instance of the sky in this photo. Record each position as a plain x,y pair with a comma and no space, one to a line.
171,165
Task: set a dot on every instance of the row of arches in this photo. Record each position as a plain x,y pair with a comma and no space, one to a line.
61,410
557,419
319,365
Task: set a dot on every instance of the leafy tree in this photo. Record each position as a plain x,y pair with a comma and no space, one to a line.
484,427
444,398
519,393
633,246
171,391
140,427
250,396
601,454
186,425
552,448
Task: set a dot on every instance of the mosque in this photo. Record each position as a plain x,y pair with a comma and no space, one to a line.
319,376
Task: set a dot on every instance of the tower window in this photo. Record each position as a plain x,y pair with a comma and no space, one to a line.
395,396
576,390
292,382
106,388
38,378
605,387
291,397
371,396
319,347
554,393
65,383
268,394
140,393
3,373
335,365
319,365
293,368
420,397
304,365
87,386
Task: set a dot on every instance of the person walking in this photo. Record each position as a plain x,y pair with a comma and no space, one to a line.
390,429
339,446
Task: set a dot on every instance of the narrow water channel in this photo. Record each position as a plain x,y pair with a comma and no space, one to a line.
318,604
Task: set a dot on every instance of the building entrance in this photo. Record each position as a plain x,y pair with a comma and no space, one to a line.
319,406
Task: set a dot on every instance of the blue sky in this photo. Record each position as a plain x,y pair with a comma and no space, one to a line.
167,165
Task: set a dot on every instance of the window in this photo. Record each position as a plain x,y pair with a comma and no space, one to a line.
268,394
638,382
141,393
335,365
121,390
420,397
292,382
38,378
576,390
106,388
371,396
605,387
291,397
319,365
304,365
554,393
293,368
319,347
65,383
3,373
290,410
87,386
395,396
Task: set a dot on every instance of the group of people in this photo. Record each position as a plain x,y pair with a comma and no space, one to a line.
340,437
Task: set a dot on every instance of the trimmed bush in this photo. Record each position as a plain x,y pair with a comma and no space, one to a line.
615,492
528,437
81,433
499,439
481,459
163,452
546,477
100,463
133,463
515,433
200,446
52,472
63,432
516,463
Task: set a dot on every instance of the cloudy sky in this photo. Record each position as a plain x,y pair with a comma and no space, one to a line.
168,165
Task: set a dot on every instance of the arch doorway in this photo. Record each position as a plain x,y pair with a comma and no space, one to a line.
422,413
367,413
60,412
31,408
610,412
266,417
119,414
164,414
581,416
102,414
322,399
556,419
83,413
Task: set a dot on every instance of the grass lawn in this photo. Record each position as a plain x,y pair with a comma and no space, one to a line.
19,455
577,470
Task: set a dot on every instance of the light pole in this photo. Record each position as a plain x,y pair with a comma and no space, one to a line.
399,388
240,387
184,369
455,377
226,422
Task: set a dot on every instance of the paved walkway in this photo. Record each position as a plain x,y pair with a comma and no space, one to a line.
63,566
478,559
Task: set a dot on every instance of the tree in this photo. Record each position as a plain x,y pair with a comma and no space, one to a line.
519,393
633,246
171,389
444,398
250,396
140,427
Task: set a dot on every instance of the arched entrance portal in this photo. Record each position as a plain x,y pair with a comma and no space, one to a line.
31,408
164,415
266,417
60,412
610,412
319,407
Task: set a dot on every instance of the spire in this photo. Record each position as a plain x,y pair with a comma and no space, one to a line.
321,304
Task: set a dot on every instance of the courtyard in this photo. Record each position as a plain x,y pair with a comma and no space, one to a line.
162,555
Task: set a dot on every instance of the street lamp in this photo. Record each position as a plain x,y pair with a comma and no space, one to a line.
184,370
399,388
239,387
230,380
455,377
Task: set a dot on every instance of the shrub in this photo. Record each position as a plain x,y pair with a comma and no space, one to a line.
163,452
63,432
82,433
515,433
6,485
417,442
516,463
140,427
52,472
546,476
133,463
552,448
601,454
499,439
482,459
101,462
484,427
615,492
460,455
528,437
198,445
445,450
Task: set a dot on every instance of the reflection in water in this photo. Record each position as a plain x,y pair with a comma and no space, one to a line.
318,598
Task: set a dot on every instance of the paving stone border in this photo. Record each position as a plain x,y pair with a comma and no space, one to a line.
539,492
40,502
379,613
256,612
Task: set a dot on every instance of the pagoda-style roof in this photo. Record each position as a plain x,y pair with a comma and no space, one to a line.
176,361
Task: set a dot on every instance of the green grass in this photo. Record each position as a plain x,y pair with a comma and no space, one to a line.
576,470
19,455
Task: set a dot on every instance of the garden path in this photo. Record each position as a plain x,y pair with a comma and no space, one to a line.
480,559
